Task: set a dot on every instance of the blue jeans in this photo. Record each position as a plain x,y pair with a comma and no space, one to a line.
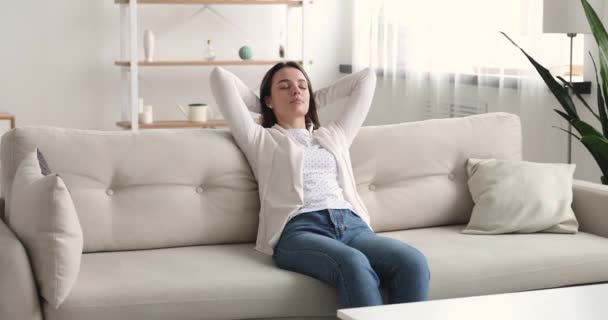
338,248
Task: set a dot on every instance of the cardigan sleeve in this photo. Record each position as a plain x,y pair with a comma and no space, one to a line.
358,88
234,100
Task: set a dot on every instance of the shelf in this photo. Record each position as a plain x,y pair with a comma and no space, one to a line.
8,116
290,2
130,61
177,63
174,124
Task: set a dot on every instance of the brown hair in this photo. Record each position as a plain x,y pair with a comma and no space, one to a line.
269,119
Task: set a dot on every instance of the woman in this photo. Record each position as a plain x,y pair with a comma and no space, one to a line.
311,218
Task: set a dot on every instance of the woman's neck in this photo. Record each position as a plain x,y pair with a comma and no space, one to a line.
294,124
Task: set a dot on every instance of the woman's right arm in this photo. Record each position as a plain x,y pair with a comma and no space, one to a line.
234,99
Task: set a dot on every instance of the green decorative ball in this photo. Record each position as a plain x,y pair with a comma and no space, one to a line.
245,52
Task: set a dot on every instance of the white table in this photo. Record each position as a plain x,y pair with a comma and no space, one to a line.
573,303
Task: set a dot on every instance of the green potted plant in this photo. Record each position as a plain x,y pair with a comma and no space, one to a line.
595,141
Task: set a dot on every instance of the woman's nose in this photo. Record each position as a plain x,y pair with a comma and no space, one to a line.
296,91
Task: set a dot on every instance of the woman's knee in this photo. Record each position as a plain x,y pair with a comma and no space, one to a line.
414,262
356,270
405,259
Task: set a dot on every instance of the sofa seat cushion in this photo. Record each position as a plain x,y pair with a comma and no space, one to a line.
198,282
236,282
465,265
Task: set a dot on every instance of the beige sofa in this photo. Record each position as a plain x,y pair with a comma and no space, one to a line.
169,218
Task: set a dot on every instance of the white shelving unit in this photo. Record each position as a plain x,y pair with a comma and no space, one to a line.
130,61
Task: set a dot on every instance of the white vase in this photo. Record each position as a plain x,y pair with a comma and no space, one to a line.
209,53
149,45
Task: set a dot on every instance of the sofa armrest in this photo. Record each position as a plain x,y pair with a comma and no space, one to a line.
590,204
18,294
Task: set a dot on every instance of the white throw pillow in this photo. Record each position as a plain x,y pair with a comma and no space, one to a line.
44,218
520,197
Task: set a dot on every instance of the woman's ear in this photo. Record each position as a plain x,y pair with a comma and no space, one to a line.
268,102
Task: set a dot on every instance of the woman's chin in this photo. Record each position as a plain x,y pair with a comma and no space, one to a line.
301,109
301,114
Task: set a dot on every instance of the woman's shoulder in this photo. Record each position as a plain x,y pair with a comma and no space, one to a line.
332,131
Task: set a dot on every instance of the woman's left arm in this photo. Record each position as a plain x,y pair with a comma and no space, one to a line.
358,88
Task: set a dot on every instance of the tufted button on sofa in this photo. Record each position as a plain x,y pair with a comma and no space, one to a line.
169,218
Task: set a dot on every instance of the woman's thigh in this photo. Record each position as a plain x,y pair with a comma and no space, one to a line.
386,254
318,256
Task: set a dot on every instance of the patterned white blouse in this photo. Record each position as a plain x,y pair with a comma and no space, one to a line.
320,175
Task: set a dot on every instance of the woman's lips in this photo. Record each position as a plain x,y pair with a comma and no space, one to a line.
297,101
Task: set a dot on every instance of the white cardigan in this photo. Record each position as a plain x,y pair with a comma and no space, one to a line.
276,159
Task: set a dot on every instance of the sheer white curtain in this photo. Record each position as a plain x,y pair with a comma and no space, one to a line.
445,58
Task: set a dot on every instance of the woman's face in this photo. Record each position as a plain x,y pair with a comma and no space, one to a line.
289,96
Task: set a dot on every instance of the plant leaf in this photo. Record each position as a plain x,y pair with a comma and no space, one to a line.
578,95
601,95
598,146
602,162
599,143
581,126
598,30
568,132
601,37
564,115
588,131
585,129
558,90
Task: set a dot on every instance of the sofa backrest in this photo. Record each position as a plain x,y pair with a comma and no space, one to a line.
150,189
166,188
413,175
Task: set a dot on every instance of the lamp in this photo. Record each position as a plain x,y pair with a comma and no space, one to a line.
567,16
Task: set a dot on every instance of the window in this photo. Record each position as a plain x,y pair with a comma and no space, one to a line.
463,37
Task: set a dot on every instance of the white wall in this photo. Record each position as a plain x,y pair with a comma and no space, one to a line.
57,57
56,63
